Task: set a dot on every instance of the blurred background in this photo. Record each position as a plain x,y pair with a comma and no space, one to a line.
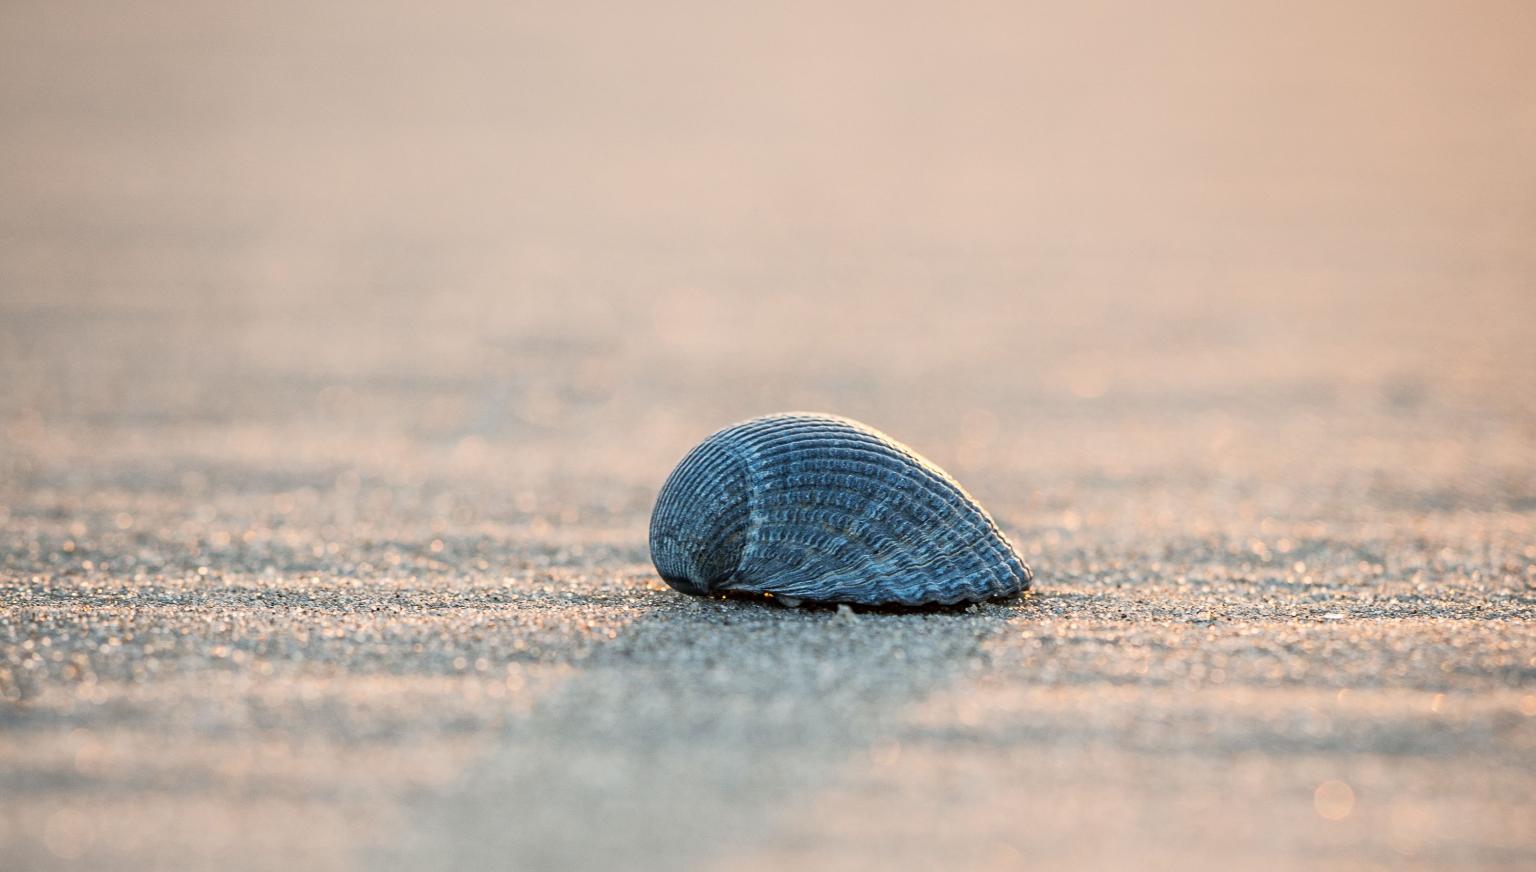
304,296
309,224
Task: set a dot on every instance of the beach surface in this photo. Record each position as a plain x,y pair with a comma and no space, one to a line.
343,348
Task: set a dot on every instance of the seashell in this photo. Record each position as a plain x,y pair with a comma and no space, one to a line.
825,509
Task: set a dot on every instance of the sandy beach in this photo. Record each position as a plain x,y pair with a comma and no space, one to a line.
344,349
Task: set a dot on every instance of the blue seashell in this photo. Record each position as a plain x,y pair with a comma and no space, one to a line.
825,509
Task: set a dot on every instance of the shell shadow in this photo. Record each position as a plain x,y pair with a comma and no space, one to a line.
695,730
1019,600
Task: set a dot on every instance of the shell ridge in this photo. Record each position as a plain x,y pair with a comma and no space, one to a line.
957,508
954,516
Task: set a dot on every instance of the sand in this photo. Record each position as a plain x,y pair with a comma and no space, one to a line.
343,350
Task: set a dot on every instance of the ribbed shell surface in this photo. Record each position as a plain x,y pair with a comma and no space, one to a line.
825,509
